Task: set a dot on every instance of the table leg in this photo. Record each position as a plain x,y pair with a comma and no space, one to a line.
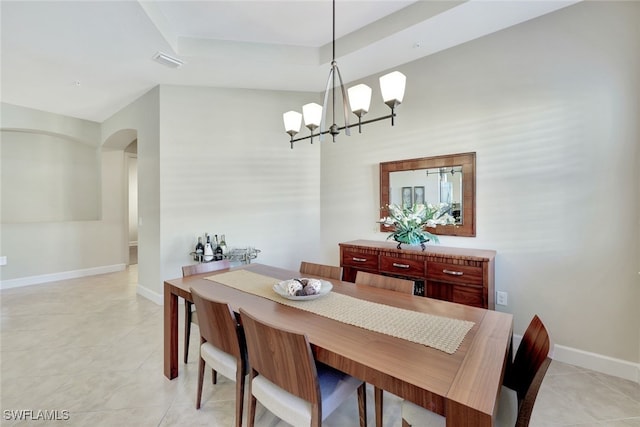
461,415
377,394
170,333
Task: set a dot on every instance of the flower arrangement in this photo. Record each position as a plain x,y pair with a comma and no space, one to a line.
409,222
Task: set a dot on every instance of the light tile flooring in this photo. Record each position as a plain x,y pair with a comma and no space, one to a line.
92,347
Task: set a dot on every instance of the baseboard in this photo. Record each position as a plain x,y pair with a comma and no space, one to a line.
63,275
150,295
593,361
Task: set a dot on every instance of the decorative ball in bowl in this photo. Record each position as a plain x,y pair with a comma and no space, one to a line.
302,288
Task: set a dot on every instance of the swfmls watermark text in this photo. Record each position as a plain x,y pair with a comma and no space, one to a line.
36,415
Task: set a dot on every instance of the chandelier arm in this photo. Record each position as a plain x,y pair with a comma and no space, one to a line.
323,122
345,103
377,119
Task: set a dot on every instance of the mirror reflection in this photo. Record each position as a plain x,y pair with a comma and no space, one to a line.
429,186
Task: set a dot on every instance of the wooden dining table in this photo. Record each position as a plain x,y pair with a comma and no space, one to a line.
463,386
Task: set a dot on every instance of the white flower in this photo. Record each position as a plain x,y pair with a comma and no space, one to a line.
410,222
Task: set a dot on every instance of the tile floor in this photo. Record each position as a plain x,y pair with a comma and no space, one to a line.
92,347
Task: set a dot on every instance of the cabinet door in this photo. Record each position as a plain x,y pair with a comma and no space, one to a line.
461,294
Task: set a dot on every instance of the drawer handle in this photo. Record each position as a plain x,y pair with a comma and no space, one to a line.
359,259
395,264
453,273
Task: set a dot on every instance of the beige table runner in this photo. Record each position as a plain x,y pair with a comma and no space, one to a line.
438,332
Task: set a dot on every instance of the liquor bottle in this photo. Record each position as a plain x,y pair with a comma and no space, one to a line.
208,250
223,245
199,250
218,251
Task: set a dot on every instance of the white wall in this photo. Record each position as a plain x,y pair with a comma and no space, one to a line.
205,166
551,108
227,169
50,250
60,175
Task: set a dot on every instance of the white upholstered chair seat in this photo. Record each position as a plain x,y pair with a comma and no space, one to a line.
417,416
335,387
223,363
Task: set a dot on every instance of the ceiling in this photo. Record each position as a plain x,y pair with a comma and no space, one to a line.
89,59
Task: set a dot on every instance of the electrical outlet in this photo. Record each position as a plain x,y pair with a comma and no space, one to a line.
501,298
3,260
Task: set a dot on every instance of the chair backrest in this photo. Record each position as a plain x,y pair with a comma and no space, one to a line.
321,270
529,367
282,357
205,267
218,325
385,282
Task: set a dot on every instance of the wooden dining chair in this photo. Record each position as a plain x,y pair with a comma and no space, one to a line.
321,270
393,284
287,381
189,315
385,282
521,385
222,346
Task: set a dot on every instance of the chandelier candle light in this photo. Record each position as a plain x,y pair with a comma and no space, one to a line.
358,97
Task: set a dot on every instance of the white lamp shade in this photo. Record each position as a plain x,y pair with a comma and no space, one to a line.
360,98
312,114
392,87
292,121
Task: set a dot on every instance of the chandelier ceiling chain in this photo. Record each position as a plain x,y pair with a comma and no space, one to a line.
358,98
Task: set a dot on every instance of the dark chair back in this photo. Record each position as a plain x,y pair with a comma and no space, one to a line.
385,282
528,369
282,357
321,270
218,325
205,267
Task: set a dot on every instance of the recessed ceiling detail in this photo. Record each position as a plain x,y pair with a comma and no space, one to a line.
254,44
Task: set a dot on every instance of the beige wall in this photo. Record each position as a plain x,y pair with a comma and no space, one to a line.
227,169
551,108
55,243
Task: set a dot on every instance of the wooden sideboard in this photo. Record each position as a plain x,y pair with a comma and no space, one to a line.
461,275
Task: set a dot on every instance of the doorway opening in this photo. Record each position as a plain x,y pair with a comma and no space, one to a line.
131,153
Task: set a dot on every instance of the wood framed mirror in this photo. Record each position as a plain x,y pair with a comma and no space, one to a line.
447,179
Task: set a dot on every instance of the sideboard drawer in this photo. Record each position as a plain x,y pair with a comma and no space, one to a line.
406,267
455,273
360,259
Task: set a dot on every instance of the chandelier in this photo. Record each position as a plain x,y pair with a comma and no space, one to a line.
357,97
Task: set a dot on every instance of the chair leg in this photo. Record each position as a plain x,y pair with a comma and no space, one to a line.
252,405
187,328
362,404
377,394
200,381
239,394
